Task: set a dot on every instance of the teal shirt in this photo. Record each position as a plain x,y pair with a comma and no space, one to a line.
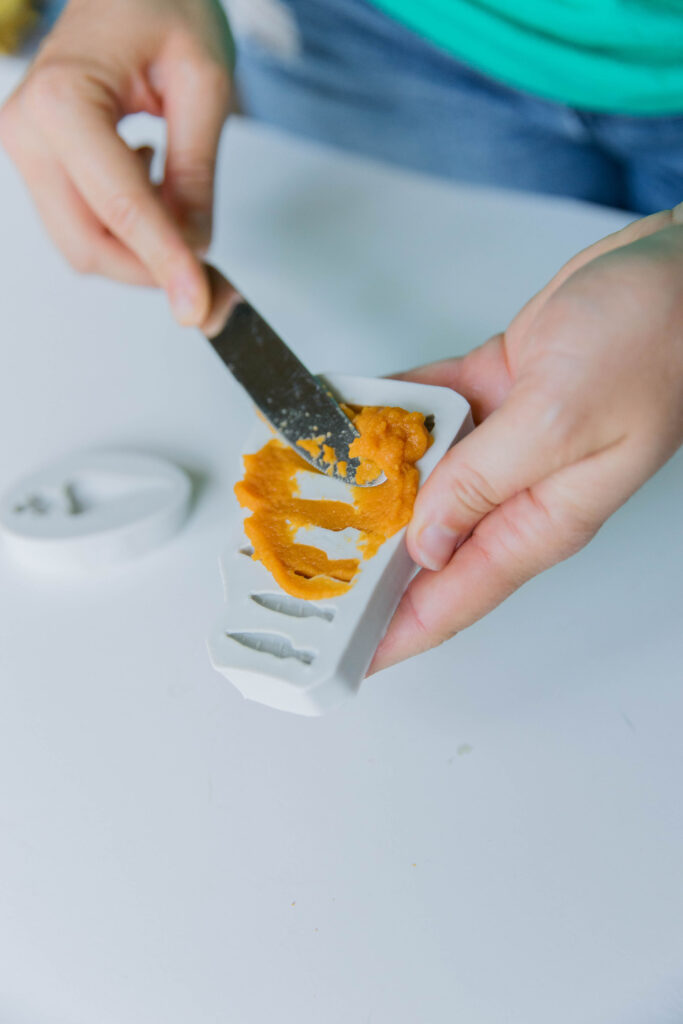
618,56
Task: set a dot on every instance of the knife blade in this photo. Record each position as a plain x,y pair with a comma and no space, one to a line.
296,403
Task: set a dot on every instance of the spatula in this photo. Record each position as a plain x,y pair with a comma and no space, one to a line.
295,402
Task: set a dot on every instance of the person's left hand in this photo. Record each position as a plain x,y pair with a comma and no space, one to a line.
576,405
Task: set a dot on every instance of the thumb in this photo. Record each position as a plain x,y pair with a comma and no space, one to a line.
519,444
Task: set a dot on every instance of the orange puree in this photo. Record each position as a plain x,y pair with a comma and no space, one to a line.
312,445
391,442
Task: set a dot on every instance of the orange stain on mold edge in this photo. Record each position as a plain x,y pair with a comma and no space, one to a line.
391,442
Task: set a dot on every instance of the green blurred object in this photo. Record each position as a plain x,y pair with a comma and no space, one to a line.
16,18
610,56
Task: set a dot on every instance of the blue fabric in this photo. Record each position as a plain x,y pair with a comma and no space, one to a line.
364,82
50,11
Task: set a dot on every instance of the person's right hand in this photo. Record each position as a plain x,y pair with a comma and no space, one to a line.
171,58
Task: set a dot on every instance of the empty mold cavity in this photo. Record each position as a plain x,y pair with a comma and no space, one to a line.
88,492
335,543
96,488
286,605
316,487
272,643
59,500
77,505
36,504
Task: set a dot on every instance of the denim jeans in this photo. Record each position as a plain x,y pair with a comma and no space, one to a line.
346,74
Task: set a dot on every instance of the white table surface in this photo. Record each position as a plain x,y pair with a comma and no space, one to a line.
491,833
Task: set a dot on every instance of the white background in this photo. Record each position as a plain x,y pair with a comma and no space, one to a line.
489,834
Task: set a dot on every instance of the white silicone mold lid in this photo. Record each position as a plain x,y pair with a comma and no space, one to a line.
307,657
94,509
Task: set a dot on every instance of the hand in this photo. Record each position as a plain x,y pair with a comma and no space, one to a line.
170,58
577,404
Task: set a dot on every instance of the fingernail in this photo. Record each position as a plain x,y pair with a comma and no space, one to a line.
183,296
435,545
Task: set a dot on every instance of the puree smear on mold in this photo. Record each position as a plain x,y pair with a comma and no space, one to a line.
391,442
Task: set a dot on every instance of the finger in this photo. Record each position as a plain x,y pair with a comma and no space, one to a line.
88,247
196,104
115,186
482,376
529,533
529,437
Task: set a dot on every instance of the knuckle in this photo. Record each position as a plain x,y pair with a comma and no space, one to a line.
512,551
49,88
193,174
469,492
215,77
428,634
503,559
553,408
420,626
198,68
529,535
572,524
557,424
201,68
121,213
541,533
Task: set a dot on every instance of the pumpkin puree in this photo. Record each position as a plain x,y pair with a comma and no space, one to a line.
391,442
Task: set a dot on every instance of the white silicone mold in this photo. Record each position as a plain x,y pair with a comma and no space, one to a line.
309,656
94,509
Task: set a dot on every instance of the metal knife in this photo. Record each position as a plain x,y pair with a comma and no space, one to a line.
297,404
